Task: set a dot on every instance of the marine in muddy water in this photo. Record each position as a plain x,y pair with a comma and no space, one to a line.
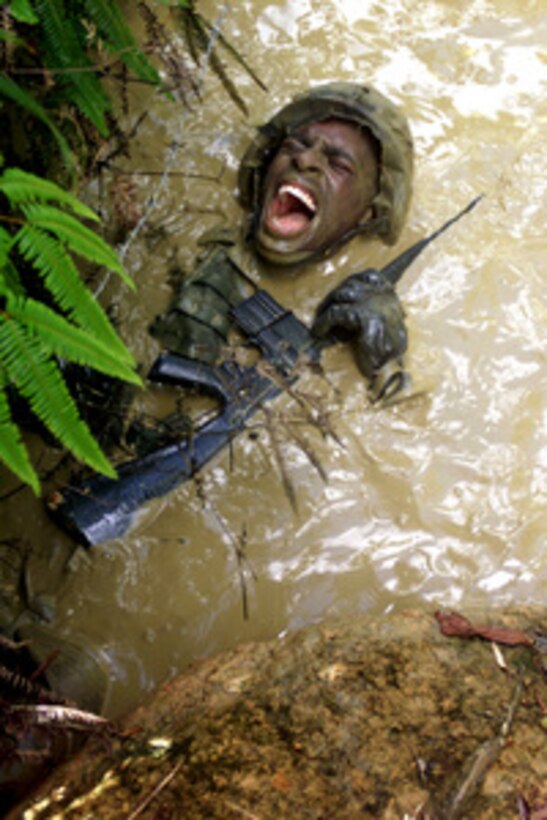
335,162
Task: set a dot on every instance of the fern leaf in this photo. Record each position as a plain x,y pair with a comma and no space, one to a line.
18,95
79,239
10,283
21,186
115,33
5,247
12,39
63,280
64,38
12,450
22,11
64,340
9,276
37,378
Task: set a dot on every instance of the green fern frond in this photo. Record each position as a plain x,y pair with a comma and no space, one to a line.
116,35
63,280
65,38
5,247
22,11
18,95
10,281
79,239
21,186
64,340
37,378
12,450
12,39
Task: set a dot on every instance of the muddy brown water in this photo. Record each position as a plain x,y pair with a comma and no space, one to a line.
439,501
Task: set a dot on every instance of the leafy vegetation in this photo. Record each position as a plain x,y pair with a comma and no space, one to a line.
54,56
34,336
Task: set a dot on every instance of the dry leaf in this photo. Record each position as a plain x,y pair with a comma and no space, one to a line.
453,624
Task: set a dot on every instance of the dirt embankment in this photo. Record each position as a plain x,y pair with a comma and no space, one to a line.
380,718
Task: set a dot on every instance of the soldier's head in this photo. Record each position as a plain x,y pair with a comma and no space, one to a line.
335,162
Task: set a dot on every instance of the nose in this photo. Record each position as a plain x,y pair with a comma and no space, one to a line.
311,158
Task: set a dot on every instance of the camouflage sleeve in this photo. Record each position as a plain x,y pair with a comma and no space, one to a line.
197,322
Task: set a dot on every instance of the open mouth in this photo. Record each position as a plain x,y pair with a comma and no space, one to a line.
291,211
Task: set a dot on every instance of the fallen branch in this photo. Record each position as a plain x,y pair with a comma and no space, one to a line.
154,793
482,759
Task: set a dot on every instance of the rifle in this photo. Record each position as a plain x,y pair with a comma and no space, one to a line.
102,508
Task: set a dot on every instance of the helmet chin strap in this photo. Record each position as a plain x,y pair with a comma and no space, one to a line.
371,226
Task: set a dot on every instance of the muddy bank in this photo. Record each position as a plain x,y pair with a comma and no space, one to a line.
368,718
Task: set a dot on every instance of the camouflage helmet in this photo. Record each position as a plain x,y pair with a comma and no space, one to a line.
362,105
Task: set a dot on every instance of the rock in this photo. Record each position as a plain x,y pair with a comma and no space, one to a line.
373,718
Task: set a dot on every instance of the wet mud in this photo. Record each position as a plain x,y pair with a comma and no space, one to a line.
370,717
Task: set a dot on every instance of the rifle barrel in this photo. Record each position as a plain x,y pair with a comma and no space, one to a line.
395,269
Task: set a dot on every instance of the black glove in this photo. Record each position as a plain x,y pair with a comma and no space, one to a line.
365,310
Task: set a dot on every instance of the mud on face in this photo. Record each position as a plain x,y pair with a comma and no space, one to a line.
319,186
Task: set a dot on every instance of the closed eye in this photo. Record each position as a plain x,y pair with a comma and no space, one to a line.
338,159
340,164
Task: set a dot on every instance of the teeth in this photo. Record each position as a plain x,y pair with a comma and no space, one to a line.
301,195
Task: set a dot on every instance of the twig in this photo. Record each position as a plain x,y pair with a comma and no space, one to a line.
312,406
241,558
44,666
171,156
280,459
307,450
238,542
82,69
482,759
240,810
17,489
154,793
207,177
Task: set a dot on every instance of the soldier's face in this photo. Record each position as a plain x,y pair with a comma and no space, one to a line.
319,186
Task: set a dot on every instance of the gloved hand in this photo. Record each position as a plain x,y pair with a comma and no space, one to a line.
365,310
